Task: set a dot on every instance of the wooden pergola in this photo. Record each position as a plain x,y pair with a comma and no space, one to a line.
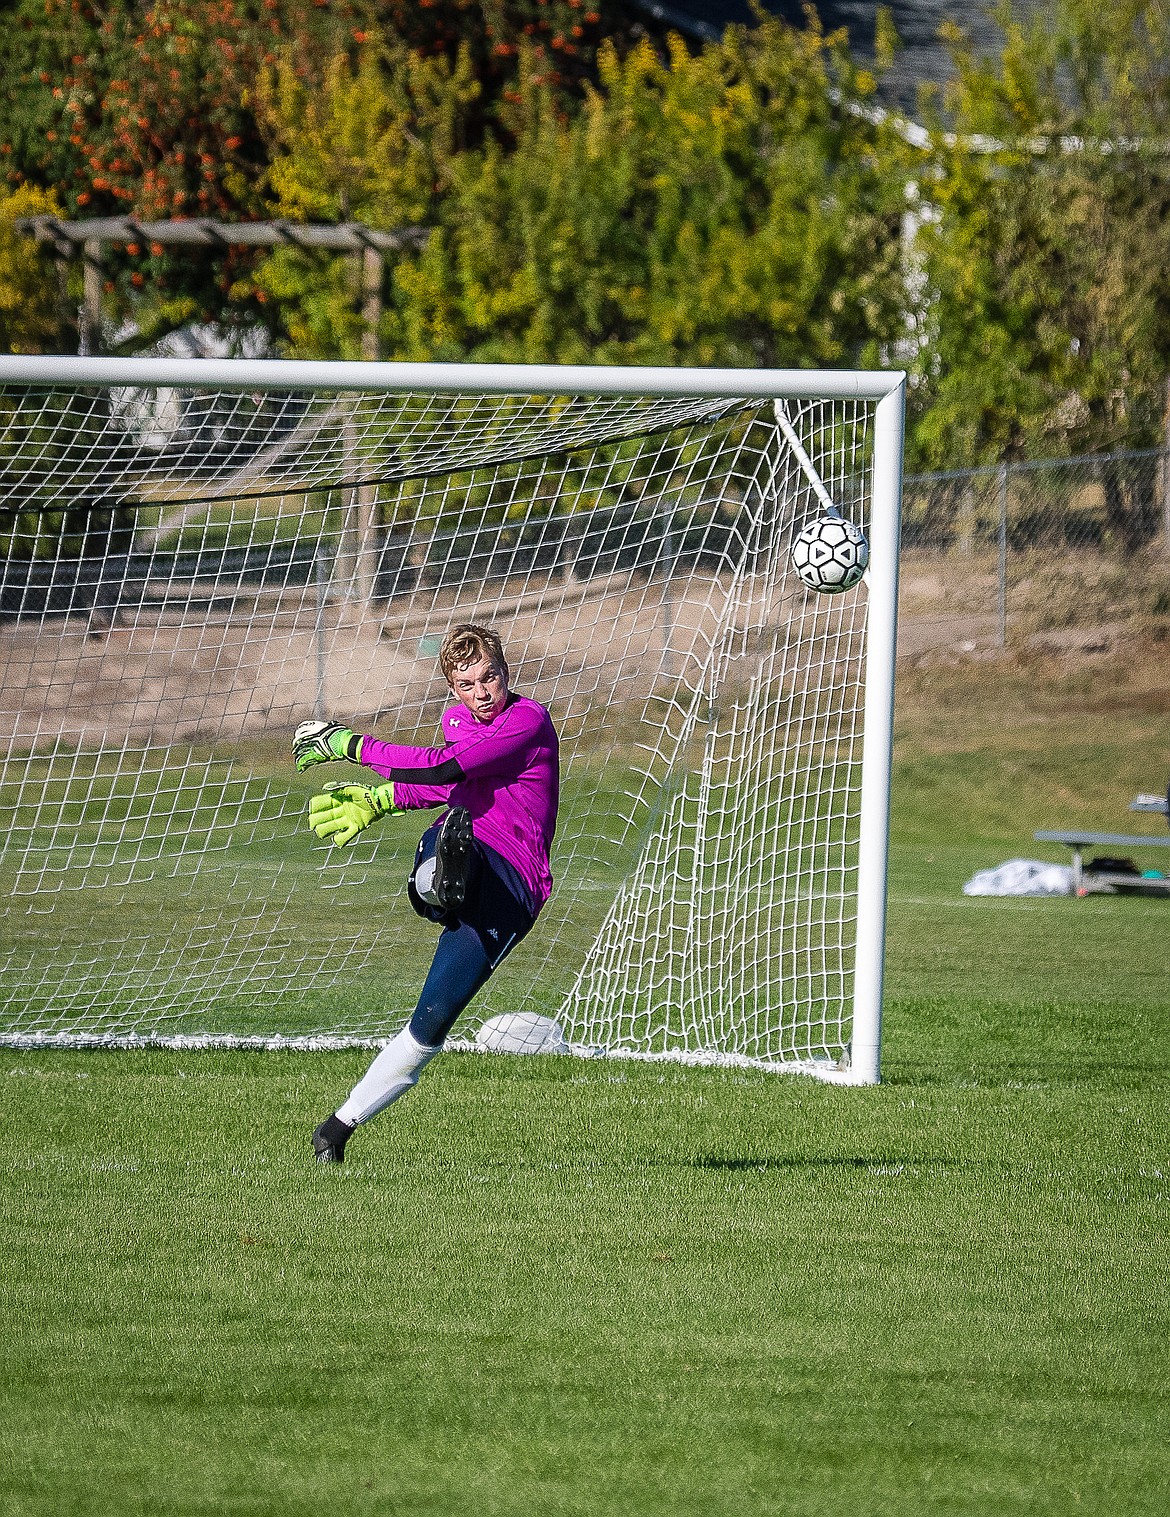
86,238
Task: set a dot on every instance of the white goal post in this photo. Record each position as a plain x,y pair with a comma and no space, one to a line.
198,554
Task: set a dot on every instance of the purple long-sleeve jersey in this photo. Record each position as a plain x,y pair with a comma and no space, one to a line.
506,772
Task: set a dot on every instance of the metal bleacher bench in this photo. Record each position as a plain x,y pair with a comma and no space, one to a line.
1103,880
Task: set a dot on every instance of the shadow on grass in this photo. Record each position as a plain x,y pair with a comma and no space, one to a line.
811,1161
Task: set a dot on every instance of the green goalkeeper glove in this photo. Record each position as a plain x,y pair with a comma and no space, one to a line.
345,810
324,742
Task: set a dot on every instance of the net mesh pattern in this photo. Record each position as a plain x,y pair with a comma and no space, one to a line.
188,574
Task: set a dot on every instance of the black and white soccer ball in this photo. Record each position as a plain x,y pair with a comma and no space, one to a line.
830,555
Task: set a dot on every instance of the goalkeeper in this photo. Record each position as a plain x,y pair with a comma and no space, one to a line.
481,871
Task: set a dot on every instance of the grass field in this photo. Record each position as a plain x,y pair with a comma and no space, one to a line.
563,1286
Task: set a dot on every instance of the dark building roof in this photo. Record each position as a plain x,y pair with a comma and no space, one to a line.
923,58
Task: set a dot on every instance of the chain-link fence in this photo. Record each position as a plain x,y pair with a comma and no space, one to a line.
1069,553
1060,554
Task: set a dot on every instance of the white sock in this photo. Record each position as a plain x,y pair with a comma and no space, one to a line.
391,1075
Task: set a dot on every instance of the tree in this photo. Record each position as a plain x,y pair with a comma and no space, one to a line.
562,36
718,207
32,314
1048,264
368,138
142,109
122,107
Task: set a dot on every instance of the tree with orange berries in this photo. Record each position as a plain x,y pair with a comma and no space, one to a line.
150,110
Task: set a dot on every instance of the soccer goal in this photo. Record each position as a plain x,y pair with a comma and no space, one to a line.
198,555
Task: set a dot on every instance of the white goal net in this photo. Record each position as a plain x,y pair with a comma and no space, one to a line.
198,556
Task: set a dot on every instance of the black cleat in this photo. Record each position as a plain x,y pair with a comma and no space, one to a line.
330,1139
454,855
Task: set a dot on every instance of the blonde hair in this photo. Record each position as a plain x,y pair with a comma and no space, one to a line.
467,644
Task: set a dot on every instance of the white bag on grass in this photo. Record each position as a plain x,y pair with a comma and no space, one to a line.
1022,877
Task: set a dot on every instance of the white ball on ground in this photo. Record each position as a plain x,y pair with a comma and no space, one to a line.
522,1032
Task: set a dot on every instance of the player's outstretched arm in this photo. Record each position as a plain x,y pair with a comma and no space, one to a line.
343,811
324,743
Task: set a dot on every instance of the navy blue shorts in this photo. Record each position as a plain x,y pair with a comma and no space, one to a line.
474,941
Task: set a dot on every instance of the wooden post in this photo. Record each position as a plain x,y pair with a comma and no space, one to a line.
62,260
320,585
1001,568
360,539
89,318
968,508
360,536
1164,472
372,272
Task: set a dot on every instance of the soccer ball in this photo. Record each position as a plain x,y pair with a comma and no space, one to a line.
830,555
522,1032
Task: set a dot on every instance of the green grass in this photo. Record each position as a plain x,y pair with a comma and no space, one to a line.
561,1286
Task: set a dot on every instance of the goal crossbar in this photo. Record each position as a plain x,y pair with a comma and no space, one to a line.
452,378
